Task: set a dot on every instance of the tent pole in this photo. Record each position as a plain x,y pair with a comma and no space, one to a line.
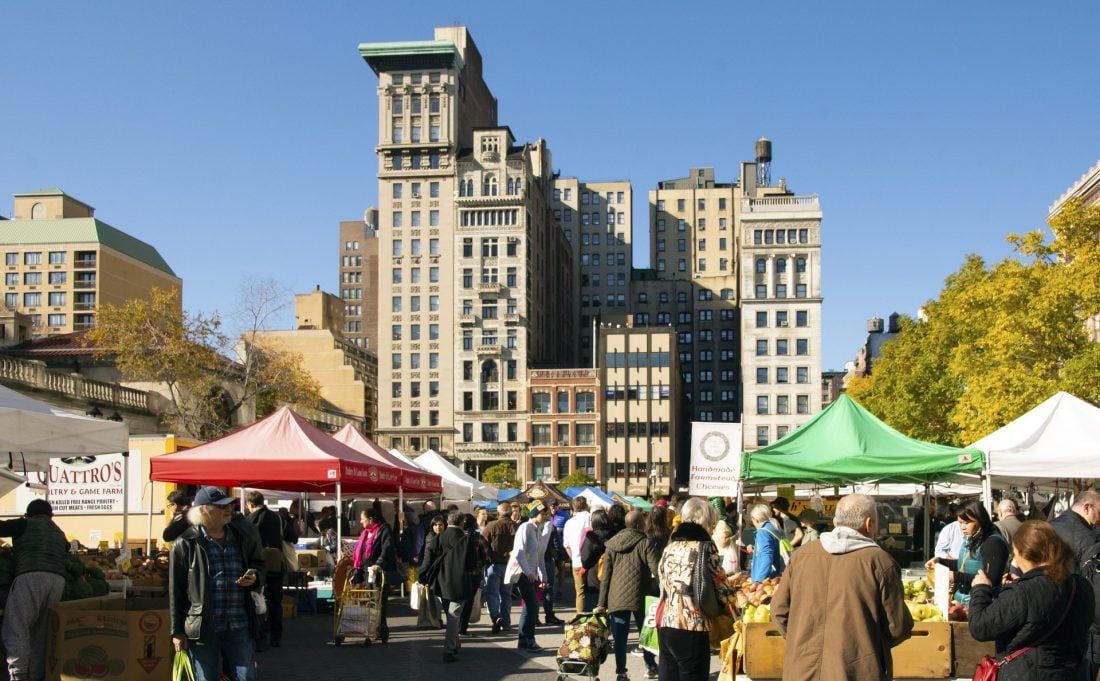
987,492
339,524
149,529
125,499
927,521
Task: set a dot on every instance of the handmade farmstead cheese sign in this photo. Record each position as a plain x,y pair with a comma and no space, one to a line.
715,459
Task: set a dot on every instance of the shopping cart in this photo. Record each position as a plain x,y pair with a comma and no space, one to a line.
358,609
584,647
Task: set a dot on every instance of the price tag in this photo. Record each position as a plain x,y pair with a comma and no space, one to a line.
123,560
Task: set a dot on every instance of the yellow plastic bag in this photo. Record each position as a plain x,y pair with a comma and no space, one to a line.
733,650
181,667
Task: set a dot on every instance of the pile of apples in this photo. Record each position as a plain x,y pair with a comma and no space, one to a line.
918,598
753,599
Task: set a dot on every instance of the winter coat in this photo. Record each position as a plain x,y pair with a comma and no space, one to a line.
841,607
630,562
191,588
591,550
457,561
1077,533
766,561
501,535
676,573
270,527
382,553
1025,611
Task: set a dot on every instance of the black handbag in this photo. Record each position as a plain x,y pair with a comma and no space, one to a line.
702,584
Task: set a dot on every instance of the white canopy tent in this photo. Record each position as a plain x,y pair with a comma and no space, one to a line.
1057,440
404,458
456,484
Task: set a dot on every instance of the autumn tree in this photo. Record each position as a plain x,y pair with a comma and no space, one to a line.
577,478
999,340
154,340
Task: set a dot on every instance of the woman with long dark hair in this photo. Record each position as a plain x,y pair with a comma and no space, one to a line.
984,549
591,551
658,528
1048,610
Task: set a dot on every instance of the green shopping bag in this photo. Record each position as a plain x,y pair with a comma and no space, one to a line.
181,667
647,639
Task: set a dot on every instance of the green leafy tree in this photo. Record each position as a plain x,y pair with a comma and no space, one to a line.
577,478
998,340
502,475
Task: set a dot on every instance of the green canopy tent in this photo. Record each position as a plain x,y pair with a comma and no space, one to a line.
847,444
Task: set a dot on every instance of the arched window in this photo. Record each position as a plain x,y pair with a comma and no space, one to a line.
489,186
800,265
761,265
781,265
38,211
489,373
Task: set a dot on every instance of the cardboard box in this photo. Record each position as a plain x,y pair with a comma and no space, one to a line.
111,639
290,607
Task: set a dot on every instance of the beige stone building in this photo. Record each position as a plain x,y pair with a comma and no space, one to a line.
473,276
642,410
347,373
597,219
1087,189
358,248
61,263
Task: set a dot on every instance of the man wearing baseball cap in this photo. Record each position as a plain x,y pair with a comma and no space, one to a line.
529,550
40,549
215,565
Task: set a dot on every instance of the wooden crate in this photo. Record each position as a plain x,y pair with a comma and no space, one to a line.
290,607
764,648
927,654
968,652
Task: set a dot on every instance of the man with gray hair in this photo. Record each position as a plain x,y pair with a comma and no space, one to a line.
845,577
1008,520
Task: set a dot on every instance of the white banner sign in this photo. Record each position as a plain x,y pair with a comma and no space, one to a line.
715,459
86,485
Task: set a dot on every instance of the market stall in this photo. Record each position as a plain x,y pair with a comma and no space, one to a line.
457,485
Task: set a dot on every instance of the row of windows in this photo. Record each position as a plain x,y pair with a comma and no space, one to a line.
490,275
665,318
489,186
396,303
592,218
53,299
414,78
618,429
351,277
414,192
593,238
700,225
415,441
414,161
353,310
397,330
353,327
781,265
397,360
80,321
351,261
800,290
416,131
658,392
783,404
612,259
634,360
583,402
416,104
762,433
489,307
414,418
613,300
489,337
415,219
541,470
415,247
351,245
705,335
700,265
780,236
488,218
35,278
589,197
414,389
490,247
782,374
398,275
490,432
681,245
55,258
782,347
542,434
782,318
613,279
705,294
701,204
726,416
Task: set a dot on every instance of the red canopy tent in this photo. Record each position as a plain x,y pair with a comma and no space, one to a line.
414,480
282,452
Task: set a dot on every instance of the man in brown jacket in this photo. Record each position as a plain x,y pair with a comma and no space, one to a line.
840,603
500,535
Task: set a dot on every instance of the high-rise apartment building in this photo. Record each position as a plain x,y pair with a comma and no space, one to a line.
473,277
61,263
597,219
358,246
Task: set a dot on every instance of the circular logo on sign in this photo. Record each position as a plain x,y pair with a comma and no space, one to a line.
536,493
372,473
149,622
714,446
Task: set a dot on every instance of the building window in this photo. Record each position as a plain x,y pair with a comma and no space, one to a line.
781,346
57,258
56,320
762,375
801,318
799,290
802,374
781,374
761,348
802,346
762,404
34,258
540,404
782,404
802,404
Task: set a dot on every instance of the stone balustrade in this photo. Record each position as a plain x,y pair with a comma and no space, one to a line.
34,374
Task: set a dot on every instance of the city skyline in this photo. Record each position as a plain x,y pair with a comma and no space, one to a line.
925,135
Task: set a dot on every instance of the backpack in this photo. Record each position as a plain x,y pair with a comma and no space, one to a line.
1090,570
785,548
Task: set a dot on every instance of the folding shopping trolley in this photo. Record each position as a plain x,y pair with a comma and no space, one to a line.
585,646
358,609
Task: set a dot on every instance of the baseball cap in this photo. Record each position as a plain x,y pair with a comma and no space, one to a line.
553,503
212,495
662,503
536,507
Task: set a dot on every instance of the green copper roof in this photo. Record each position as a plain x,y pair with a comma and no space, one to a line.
81,230
411,55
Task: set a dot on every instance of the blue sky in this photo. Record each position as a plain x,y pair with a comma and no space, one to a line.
235,136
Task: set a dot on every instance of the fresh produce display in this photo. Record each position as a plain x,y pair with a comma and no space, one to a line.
83,581
918,598
753,599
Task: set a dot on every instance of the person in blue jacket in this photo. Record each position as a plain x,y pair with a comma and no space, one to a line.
766,561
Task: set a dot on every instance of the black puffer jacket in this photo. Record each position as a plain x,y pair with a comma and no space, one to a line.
630,563
1077,533
1024,612
591,550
